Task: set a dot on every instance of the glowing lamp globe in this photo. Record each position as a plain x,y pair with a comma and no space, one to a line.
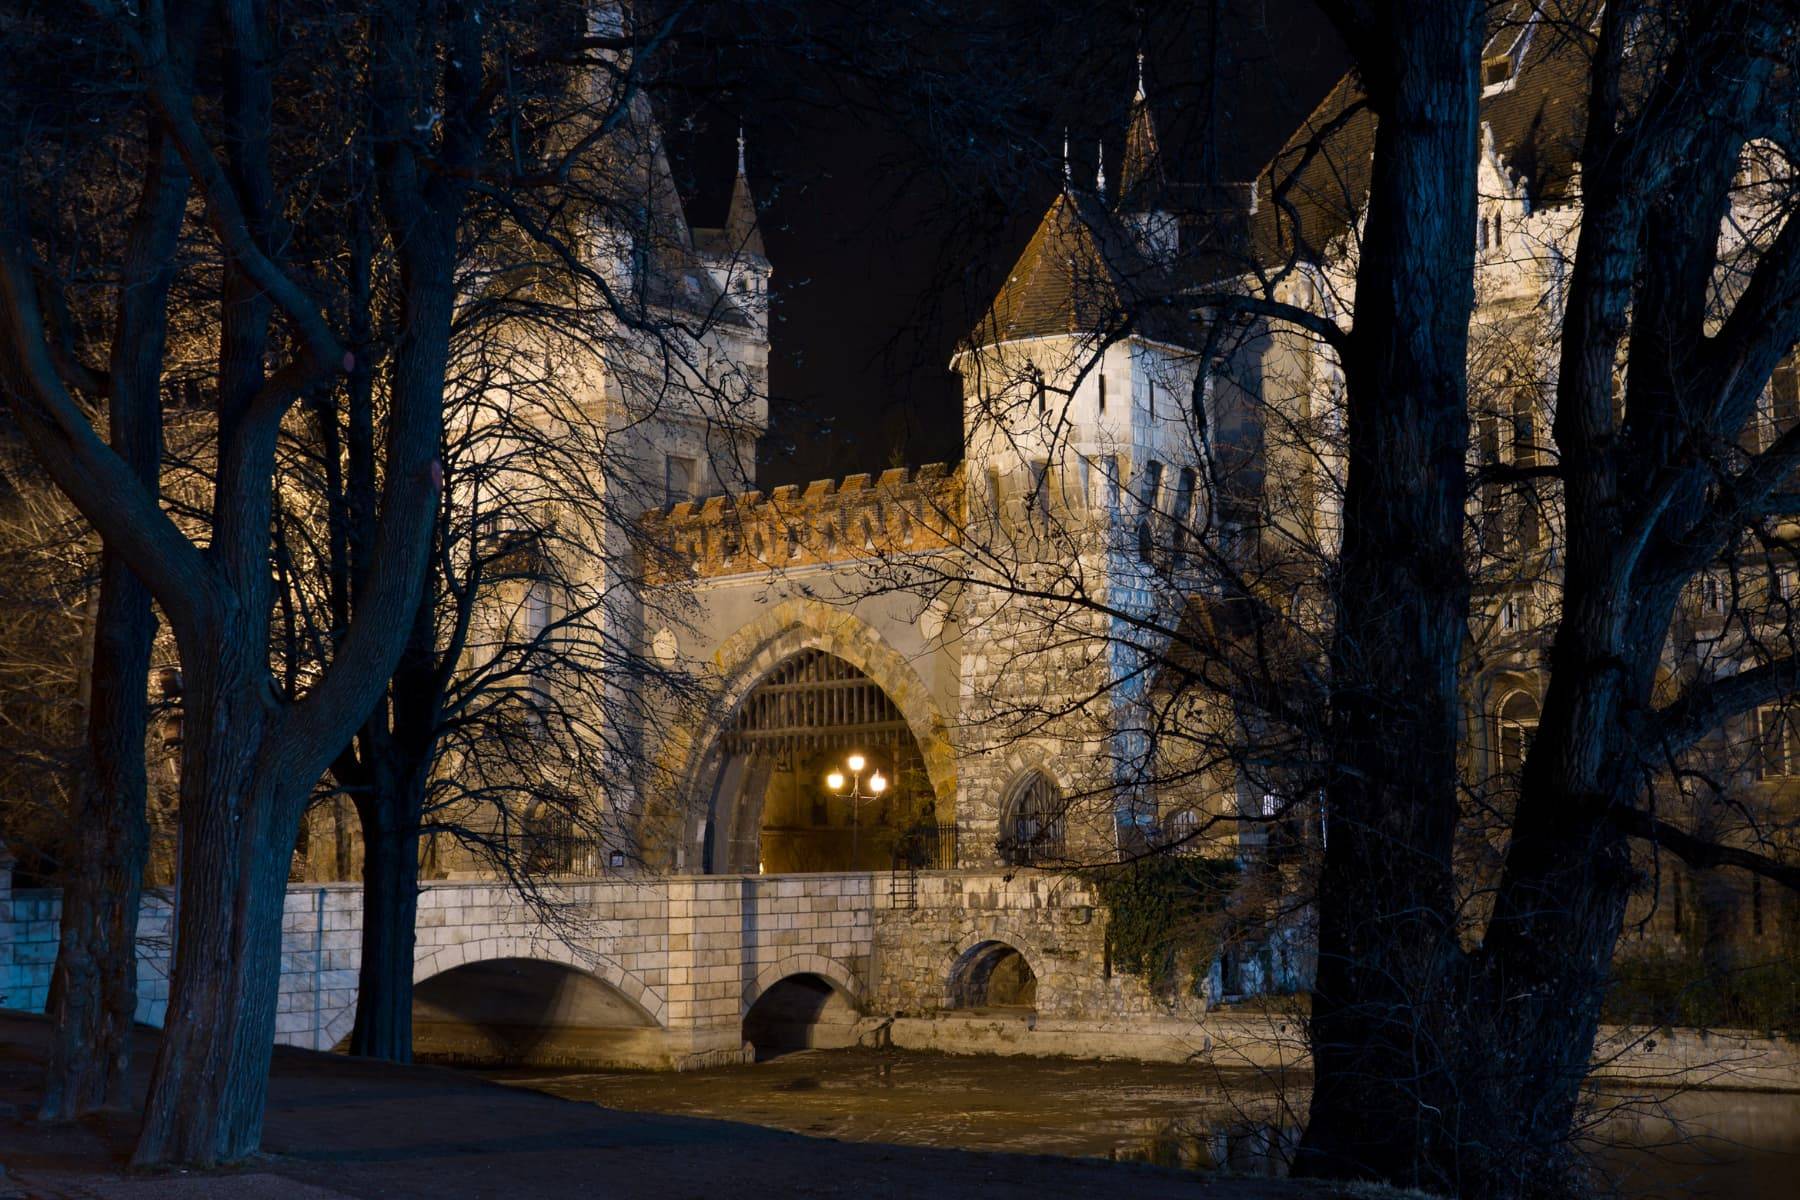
877,783
834,781
856,762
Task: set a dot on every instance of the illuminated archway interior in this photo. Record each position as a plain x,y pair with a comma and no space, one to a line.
790,797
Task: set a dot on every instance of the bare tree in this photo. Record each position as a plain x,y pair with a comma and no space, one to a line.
1326,625
250,753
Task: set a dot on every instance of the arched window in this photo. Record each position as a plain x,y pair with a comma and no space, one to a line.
1031,821
1515,727
1181,831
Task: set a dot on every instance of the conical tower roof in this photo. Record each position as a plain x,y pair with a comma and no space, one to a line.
741,229
1142,185
1077,274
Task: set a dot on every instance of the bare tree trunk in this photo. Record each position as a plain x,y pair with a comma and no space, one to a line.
1383,1101
94,985
395,765
211,1074
384,995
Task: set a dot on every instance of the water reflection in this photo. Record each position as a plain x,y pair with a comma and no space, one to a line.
1239,1147
1695,1146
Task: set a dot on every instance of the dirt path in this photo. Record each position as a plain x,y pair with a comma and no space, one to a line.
340,1128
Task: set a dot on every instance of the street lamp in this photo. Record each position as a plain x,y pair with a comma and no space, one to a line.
850,788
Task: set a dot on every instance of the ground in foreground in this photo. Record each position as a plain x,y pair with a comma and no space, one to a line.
340,1127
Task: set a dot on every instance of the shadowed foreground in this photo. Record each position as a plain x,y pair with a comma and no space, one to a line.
340,1127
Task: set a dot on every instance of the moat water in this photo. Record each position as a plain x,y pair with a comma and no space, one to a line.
1701,1145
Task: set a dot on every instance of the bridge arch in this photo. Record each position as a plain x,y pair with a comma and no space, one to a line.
804,1001
748,658
432,961
827,969
445,958
979,952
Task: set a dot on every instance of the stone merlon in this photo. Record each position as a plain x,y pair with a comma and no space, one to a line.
901,512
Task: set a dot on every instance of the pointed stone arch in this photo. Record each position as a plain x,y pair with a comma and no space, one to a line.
745,659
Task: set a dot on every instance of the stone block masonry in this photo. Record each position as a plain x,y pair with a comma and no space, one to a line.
832,521
691,953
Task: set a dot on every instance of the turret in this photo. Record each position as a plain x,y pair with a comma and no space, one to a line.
734,254
1144,205
740,222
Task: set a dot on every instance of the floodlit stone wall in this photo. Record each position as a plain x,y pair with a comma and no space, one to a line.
928,927
692,953
902,511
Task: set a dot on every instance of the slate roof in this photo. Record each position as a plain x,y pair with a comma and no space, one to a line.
1143,184
1081,273
1322,172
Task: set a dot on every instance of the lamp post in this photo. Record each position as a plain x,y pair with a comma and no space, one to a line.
850,787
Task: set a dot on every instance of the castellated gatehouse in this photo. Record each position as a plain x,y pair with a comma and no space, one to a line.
907,726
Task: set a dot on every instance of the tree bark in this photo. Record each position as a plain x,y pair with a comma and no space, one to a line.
94,984
389,777
1383,1030
211,1074
384,995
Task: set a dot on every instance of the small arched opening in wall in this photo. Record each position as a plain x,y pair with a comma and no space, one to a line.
804,1011
527,1012
1033,826
993,976
1515,725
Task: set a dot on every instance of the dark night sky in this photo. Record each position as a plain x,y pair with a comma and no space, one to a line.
882,263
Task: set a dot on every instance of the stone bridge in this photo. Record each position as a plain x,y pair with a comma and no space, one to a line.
679,971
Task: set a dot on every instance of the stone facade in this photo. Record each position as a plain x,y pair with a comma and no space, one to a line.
691,954
831,521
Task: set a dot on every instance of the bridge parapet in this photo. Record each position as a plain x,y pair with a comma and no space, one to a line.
693,953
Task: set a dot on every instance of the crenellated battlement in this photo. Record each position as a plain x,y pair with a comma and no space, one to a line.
901,511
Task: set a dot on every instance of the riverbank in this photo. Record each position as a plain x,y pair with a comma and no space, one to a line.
341,1128
1272,1038
1702,1144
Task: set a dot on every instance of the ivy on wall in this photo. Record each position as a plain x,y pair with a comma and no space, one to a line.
1166,916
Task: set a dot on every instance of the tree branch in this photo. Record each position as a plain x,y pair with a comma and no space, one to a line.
1702,854
1700,709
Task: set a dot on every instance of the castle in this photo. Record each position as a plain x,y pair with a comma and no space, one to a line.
1033,642
933,696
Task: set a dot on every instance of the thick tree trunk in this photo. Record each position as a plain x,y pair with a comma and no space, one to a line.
94,985
383,1026
237,824
1383,1031
1560,904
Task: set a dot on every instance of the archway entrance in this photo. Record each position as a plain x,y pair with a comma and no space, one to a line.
993,975
801,1012
774,808
523,1011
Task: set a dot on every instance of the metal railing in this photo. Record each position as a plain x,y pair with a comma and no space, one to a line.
926,848
579,856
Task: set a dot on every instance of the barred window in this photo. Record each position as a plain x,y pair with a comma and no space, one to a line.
1031,824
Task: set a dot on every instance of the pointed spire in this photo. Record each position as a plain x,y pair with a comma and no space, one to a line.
740,222
1142,187
1100,167
1068,178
